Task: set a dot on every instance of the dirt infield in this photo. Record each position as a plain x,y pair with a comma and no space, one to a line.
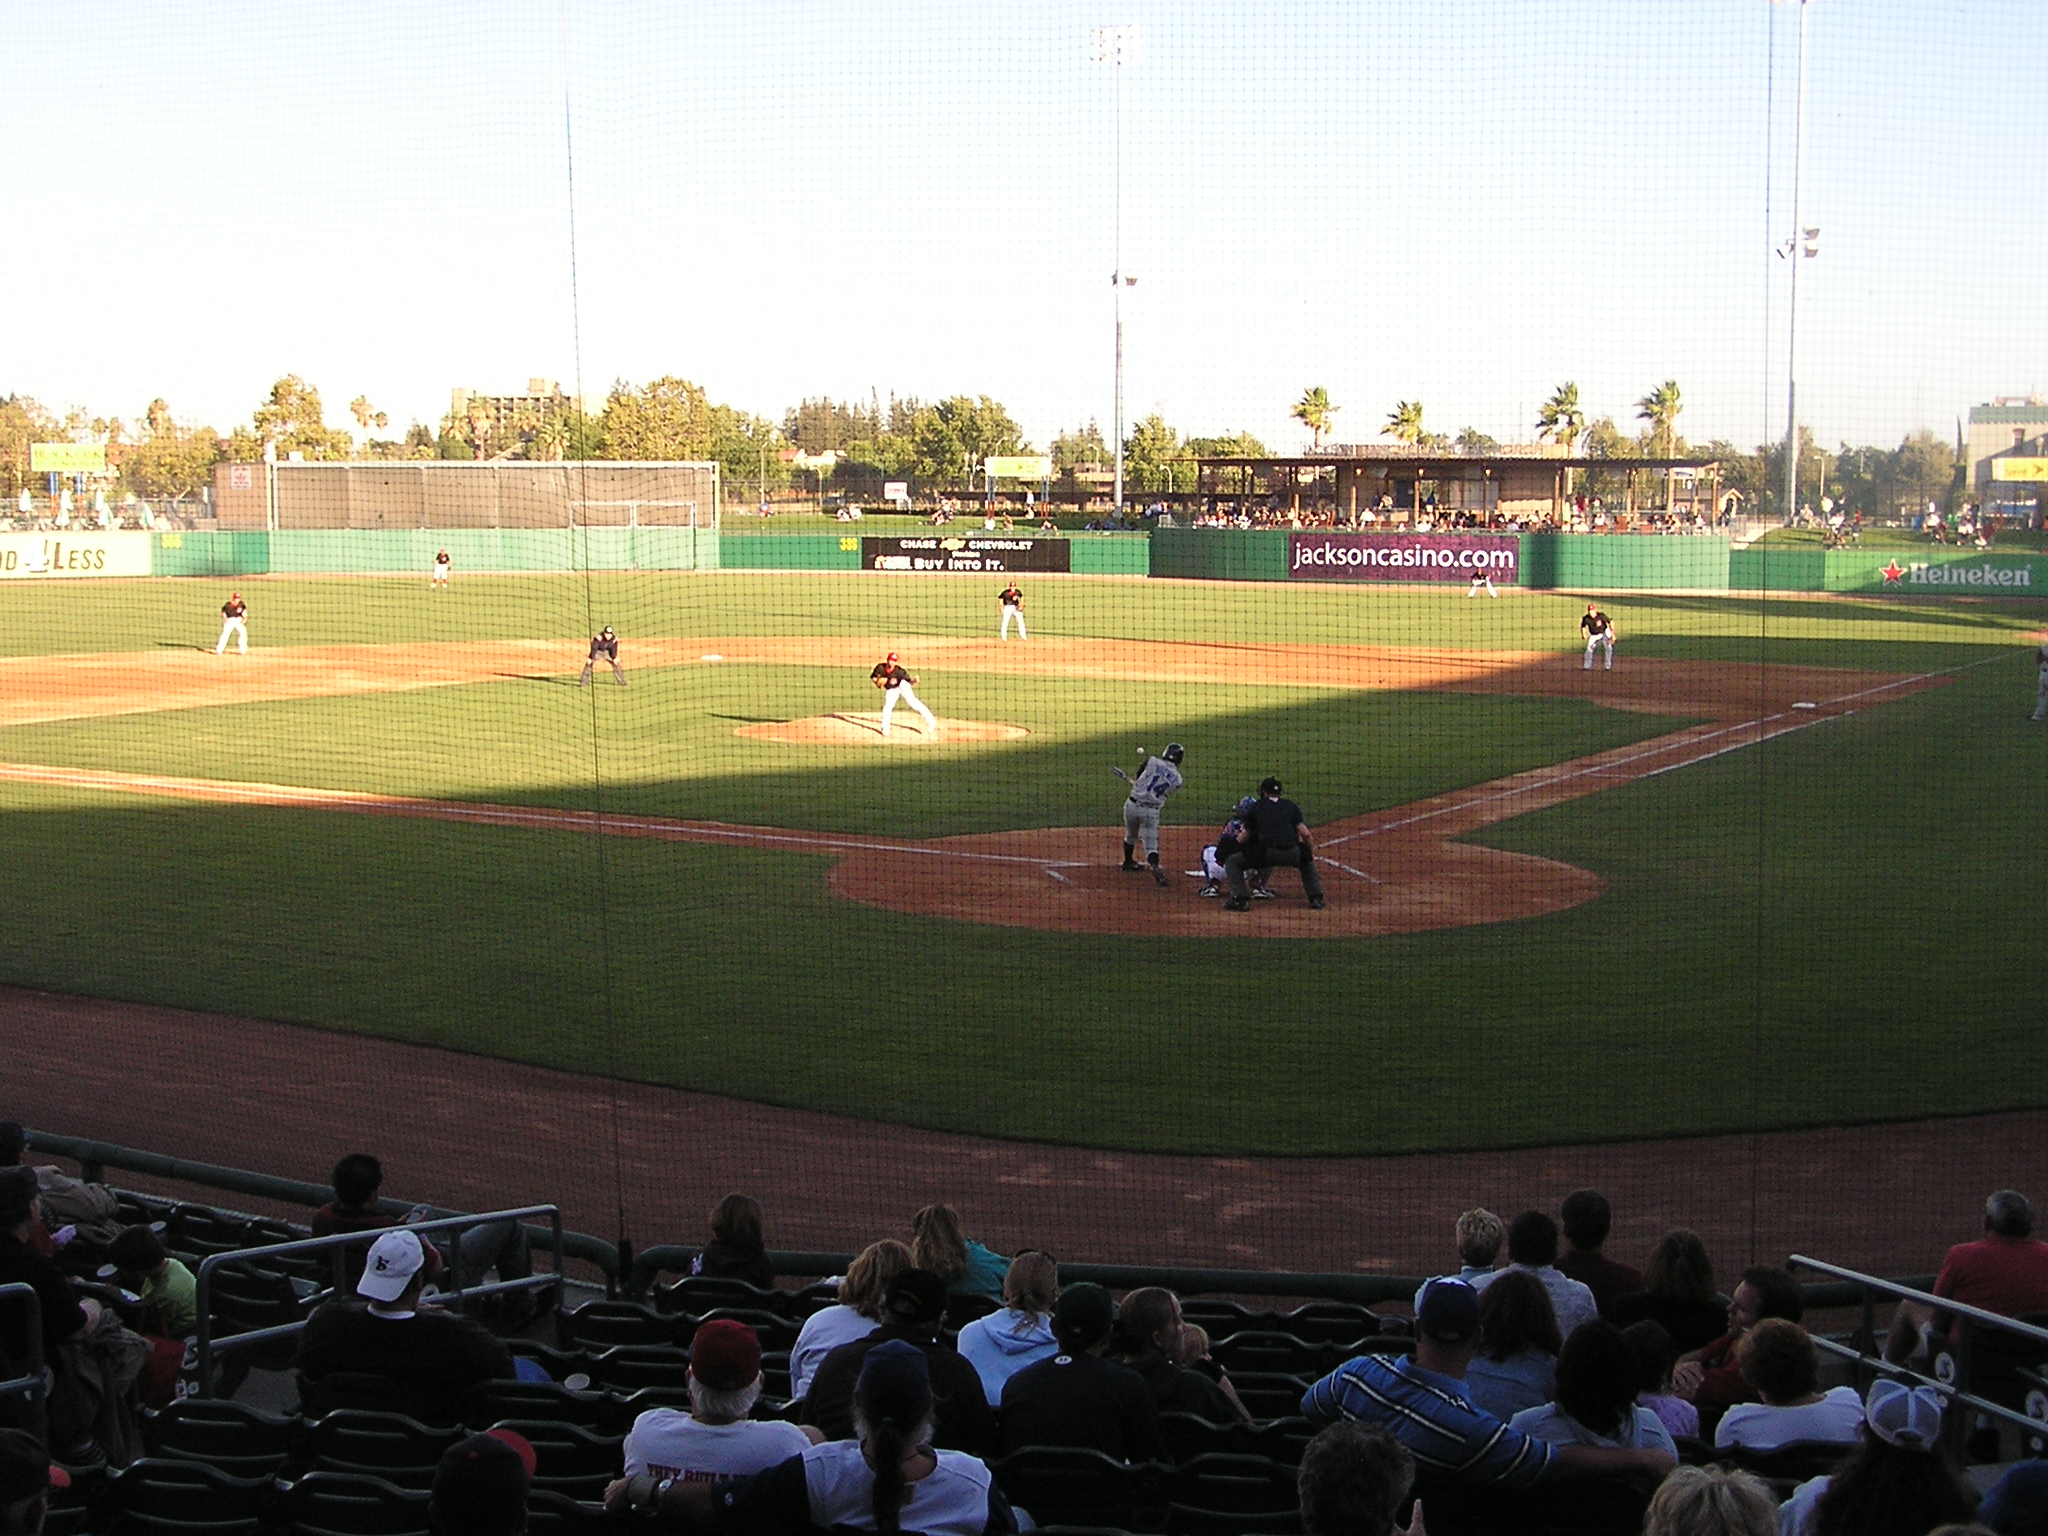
479,1134
1394,871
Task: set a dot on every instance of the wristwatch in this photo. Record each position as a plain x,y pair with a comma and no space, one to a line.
661,1491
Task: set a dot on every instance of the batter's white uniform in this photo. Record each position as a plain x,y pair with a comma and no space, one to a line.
1155,781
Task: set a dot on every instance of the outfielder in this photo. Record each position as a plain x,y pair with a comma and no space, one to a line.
1599,631
2041,705
233,613
1481,577
897,683
440,577
1159,778
1012,600
606,644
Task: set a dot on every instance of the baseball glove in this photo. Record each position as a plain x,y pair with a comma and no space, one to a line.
879,682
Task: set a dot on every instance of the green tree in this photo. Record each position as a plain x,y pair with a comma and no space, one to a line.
669,418
171,462
1476,443
23,421
1748,473
1922,469
1660,408
366,414
1238,445
1155,459
1561,419
1314,411
291,419
952,438
1404,424
1078,450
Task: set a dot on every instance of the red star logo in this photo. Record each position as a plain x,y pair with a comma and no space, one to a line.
1892,572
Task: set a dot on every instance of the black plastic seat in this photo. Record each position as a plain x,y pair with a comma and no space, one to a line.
628,1366
1269,1395
151,1494
1062,1484
603,1324
343,1504
230,1436
1250,1485
392,1446
1277,1353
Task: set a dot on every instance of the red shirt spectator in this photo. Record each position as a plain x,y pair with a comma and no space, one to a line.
1999,1273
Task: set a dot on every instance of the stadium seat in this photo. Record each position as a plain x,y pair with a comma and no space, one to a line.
569,1460
776,1331
698,1294
1279,1440
628,1366
554,1514
229,1436
1220,1481
72,1520
200,1230
1219,1318
1185,1520
153,1495
387,1445
1279,1353
602,1324
1333,1322
1789,1465
343,1504
1267,1395
1589,1506
245,1297
557,1404
1056,1484
385,1394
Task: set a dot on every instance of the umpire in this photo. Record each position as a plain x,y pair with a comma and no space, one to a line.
1278,835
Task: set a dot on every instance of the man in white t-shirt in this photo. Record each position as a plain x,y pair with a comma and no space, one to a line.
715,1441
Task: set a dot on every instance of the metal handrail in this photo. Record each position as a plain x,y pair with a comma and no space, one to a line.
1955,1429
95,1157
34,1384
207,1346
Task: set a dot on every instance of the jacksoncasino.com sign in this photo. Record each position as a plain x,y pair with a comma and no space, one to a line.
969,553
1404,556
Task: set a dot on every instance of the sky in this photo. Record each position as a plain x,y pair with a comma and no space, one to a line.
1462,202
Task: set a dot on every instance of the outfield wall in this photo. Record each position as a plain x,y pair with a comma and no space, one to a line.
352,552
1125,554
1622,562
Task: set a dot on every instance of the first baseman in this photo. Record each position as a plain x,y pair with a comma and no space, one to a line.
1012,599
2041,704
606,644
440,578
233,612
1599,631
896,683
1159,778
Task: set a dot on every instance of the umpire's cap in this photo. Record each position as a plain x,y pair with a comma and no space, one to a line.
1270,786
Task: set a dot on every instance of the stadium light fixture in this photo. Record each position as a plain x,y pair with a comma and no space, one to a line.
1116,46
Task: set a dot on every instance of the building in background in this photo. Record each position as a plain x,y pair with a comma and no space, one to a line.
2008,455
506,414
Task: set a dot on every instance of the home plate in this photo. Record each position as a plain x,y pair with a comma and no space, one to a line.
1803,704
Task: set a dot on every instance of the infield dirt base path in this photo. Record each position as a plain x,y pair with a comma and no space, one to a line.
1395,871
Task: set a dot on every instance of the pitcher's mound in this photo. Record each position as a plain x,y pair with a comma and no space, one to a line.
865,730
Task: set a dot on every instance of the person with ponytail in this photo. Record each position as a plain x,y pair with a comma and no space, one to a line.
889,1480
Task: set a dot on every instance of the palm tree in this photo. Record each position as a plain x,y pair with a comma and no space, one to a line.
1561,419
1660,408
1405,424
1313,410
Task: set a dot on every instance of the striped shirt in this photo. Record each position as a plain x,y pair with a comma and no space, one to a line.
1431,1415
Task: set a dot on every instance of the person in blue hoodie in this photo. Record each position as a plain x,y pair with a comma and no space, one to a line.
1003,1343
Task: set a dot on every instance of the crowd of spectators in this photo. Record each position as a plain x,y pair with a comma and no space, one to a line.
1538,1365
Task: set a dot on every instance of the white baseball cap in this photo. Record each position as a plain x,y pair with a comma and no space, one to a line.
393,1260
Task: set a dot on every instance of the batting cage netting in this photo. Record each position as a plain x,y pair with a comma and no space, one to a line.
1192,635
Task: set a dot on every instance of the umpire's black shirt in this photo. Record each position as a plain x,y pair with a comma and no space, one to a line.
1272,823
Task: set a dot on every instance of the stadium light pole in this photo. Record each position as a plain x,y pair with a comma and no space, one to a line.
1116,46
1802,246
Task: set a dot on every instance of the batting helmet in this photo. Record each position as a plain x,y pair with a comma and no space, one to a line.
1269,786
1175,752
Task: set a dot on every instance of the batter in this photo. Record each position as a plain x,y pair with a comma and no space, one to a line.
1159,778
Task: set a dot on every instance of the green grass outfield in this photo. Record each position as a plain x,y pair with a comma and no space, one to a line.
1839,925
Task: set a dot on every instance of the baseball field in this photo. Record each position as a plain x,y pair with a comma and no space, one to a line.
1778,868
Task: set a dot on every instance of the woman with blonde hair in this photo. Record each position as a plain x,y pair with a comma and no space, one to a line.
1003,1343
1712,1501
968,1268
857,1313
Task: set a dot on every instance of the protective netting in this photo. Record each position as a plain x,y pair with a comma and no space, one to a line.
1732,918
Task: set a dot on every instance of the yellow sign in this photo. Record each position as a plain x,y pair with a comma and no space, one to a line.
2019,469
67,458
1020,466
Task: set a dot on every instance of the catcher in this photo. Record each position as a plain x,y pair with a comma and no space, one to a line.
1158,778
897,683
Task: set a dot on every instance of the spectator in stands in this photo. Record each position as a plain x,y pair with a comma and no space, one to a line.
2004,1271
1712,1501
2017,1504
737,1250
1596,1397
849,1484
1003,1343
1193,1355
1422,1403
1709,1378
1678,1291
356,1180
1516,1366
1077,1398
1658,1355
715,1440
1897,1482
1146,1339
1479,1233
1532,1249
480,1485
66,1316
26,1478
912,1312
475,1251
857,1314
1586,1217
159,1280
1782,1367
1354,1480
965,1265
427,1359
